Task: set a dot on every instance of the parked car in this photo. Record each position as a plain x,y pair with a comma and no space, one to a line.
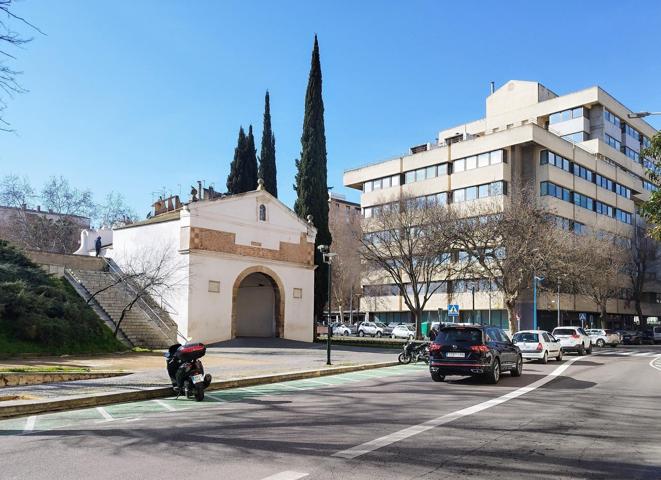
657,334
403,331
474,350
647,337
573,339
370,328
601,337
538,345
631,337
387,329
341,329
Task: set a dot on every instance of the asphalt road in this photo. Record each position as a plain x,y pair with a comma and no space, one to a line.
597,416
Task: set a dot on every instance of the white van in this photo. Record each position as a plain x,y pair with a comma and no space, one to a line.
657,334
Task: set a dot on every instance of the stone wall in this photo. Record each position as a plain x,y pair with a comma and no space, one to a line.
55,263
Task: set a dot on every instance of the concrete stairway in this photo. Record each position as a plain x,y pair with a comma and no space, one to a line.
145,325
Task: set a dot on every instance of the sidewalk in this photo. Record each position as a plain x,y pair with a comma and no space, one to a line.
234,359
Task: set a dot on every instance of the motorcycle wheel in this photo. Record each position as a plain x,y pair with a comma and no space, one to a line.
199,393
404,359
188,388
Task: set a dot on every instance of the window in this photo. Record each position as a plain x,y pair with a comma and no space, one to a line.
566,115
262,213
622,191
623,216
459,196
631,153
604,209
367,186
496,157
554,159
632,132
459,165
419,174
483,191
575,137
431,172
394,180
409,177
649,186
583,201
471,193
482,160
553,190
614,119
377,184
583,173
616,144
471,163
604,182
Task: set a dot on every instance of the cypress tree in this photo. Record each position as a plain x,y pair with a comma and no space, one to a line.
311,180
267,169
243,169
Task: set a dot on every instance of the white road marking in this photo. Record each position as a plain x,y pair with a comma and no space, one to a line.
165,405
287,475
319,382
372,445
214,398
653,363
29,424
104,413
642,354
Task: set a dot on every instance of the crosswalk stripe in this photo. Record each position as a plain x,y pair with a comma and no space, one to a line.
29,424
165,405
104,413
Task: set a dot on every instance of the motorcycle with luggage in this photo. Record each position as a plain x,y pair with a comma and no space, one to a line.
186,370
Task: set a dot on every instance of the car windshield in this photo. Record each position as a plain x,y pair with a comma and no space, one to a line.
525,337
563,331
459,335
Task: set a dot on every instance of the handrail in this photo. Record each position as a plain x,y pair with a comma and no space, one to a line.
117,272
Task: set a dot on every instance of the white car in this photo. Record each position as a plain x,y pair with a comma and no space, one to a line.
573,339
657,334
537,345
403,331
602,337
370,328
341,329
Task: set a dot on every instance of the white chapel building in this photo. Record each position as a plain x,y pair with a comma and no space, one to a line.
242,265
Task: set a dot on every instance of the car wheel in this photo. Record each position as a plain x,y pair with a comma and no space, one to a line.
518,368
601,343
361,334
559,357
437,377
378,334
589,350
545,358
581,350
494,375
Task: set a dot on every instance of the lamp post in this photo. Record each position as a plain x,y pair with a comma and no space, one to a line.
558,303
328,258
535,279
642,114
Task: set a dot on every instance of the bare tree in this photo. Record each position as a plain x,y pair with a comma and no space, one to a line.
407,243
146,276
599,264
9,40
347,266
639,262
115,211
508,243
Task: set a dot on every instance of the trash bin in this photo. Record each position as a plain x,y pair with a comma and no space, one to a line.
424,328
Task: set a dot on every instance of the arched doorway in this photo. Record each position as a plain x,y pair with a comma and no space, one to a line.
257,309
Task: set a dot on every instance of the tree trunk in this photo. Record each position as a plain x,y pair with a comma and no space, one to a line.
639,311
416,319
511,314
602,316
341,313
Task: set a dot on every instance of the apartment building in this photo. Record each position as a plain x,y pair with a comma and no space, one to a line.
581,151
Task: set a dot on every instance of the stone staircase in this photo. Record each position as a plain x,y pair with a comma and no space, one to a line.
145,325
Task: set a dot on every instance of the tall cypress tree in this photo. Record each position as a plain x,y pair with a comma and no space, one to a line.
243,169
311,179
267,169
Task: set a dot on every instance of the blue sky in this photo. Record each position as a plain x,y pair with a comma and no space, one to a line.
144,96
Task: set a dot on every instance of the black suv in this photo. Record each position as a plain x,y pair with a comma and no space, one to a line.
473,350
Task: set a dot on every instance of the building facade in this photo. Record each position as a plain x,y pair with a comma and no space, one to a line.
581,151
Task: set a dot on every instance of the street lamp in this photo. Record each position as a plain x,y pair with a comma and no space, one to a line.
642,114
328,258
535,279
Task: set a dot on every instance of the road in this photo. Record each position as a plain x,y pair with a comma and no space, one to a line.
585,417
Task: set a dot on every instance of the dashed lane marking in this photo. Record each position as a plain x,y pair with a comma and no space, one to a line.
104,413
165,405
405,433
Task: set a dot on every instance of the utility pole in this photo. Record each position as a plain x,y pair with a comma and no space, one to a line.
558,302
535,279
473,310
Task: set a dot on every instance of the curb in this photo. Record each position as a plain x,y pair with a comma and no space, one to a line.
11,411
22,379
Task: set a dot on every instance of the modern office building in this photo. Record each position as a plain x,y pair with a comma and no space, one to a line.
581,151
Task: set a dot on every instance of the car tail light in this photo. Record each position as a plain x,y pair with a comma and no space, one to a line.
575,335
539,347
434,347
479,348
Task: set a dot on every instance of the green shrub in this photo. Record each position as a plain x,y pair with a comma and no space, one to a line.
43,313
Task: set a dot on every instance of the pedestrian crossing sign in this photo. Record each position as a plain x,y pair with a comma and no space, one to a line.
453,310
582,317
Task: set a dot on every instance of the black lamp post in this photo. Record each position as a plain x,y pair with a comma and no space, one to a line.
328,258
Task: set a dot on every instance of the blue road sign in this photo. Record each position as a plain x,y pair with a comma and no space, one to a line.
453,310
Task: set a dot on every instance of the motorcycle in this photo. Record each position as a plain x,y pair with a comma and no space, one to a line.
414,352
186,371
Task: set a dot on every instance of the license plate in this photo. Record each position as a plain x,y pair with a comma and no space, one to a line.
197,378
455,355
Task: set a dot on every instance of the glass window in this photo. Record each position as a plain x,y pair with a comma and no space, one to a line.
544,189
566,115
419,174
409,177
367,187
442,198
394,180
496,188
377,184
496,157
483,160
431,171
555,118
483,191
471,193
459,195
367,212
459,165
577,112
262,213
471,163
385,182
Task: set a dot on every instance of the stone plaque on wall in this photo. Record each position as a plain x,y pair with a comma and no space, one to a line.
214,286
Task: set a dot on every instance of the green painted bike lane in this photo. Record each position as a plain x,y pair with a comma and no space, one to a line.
126,412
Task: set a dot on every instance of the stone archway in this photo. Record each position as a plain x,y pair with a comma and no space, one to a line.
258,307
